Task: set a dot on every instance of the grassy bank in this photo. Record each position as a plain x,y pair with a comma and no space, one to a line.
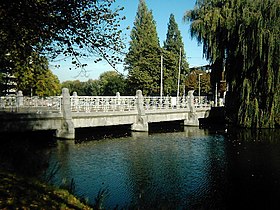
17,192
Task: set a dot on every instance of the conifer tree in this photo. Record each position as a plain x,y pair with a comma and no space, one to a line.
174,44
143,58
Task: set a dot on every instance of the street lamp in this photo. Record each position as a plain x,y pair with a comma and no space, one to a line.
199,88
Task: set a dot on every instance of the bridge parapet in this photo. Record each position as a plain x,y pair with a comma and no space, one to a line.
20,103
65,113
102,103
53,104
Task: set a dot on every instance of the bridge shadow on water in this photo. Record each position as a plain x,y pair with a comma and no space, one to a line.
166,127
99,133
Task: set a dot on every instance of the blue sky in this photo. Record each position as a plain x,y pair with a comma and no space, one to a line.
161,12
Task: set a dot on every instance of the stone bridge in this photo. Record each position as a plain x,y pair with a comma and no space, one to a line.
65,113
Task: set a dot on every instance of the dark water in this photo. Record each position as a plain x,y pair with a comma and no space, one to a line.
191,169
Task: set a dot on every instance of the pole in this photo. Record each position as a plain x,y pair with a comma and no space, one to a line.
161,77
199,88
179,73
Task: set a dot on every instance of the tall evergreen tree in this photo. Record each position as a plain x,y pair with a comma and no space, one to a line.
244,36
174,44
143,58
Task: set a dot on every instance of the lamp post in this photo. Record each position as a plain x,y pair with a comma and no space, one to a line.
179,73
185,85
199,88
161,77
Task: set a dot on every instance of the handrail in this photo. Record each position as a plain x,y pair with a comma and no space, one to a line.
102,103
19,103
30,104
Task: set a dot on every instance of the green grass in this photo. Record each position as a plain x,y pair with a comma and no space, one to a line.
18,192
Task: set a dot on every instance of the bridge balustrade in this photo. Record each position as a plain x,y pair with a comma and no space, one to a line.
102,103
8,103
201,102
166,102
19,103
65,113
51,104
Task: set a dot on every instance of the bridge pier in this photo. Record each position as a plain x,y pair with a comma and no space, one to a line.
67,129
141,123
191,117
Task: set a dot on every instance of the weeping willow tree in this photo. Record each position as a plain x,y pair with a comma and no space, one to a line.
242,37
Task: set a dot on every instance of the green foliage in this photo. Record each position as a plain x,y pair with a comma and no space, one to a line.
143,58
19,192
75,28
170,73
111,82
244,36
88,88
108,84
36,78
91,87
174,44
192,82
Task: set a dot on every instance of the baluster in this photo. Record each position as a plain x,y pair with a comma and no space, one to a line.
101,102
106,104
154,103
127,104
92,104
165,103
123,104
86,104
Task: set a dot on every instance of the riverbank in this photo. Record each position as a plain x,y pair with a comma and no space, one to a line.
18,192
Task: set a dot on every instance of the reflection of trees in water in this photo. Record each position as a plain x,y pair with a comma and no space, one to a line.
159,171
254,160
261,135
25,153
61,158
149,185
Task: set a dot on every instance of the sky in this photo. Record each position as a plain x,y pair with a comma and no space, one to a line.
161,10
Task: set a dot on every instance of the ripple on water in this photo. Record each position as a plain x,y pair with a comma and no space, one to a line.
191,169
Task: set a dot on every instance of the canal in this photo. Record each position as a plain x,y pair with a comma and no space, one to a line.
189,168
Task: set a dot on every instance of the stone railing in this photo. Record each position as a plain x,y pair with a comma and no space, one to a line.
20,103
63,113
201,102
166,102
102,103
128,103
8,103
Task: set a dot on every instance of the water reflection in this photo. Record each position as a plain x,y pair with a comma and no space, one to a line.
186,169
254,168
146,170
175,168
190,169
